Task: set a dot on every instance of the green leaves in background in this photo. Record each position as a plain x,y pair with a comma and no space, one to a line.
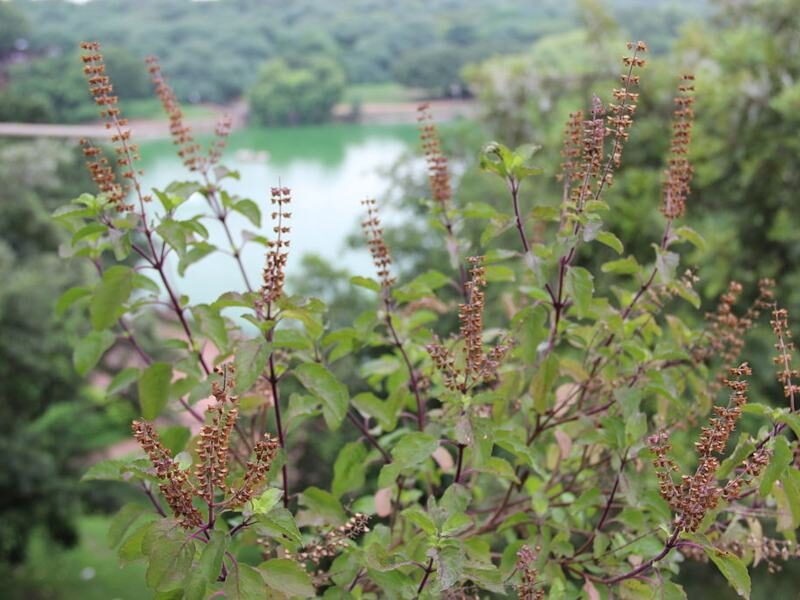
323,384
110,295
153,389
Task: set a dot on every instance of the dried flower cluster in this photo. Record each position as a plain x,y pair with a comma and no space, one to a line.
175,484
181,133
584,150
620,114
783,360
221,132
571,151
213,449
528,588
377,245
726,332
256,471
127,154
695,495
274,270
438,171
213,453
479,367
678,177
333,542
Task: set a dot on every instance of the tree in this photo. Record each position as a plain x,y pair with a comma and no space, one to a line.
434,68
13,27
304,91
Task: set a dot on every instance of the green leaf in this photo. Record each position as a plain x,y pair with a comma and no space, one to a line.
280,524
322,383
90,349
88,230
212,324
250,210
174,234
244,583
170,551
154,389
688,234
542,384
421,519
666,263
266,501
732,568
199,251
287,577
623,266
349,470
610,240
413,449
449,562
366,282
250,361
323,504
175,438
580,287
123,379
781,458
69,298
131,548
110,296
208,567
122,522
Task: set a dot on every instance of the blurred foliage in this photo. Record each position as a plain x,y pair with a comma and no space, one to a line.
303,91
48,418
212,51
56,86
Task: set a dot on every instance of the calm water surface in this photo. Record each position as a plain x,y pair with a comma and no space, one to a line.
329,168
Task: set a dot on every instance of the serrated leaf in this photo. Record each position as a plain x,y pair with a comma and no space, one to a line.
322,383
153,389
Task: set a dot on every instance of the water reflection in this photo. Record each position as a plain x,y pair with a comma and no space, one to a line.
330,169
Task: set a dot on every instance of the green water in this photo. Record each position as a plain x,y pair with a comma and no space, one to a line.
330,169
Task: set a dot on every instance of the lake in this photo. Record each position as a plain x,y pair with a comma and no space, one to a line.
329,168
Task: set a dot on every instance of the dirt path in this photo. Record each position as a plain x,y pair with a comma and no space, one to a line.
152,129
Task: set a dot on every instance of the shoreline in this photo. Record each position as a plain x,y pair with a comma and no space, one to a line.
389,113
